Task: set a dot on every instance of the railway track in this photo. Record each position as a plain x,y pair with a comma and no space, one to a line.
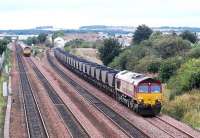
128,128
168,128
75,128
171,125
35,125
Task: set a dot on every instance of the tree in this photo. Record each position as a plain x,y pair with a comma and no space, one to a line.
154,66
142,32
56,34
109,50
186,78
156,35
192,37
29,41
32,40
8,39
146,64
42,37
3,45
194,52
171,46
120,62
35,40
169,67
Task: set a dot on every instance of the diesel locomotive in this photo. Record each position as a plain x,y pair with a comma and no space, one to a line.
26,50
141,93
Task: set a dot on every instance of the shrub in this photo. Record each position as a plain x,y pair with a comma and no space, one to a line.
154,66
169,67
186,78
67,48
148,64
142,65
170,46
194,52
194,81
120,62
192,37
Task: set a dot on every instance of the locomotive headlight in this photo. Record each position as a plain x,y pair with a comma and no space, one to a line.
140,99
158,99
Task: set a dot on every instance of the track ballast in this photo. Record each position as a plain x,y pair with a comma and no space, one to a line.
75,128
121,122
35,124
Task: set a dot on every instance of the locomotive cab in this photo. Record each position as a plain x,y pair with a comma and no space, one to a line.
149,96
27,51
141,93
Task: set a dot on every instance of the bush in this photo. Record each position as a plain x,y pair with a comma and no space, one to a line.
194,81
194,52
154,66
186,78
120,62
148,64
142,65
171,46
192,37
136,58
67,48
169,67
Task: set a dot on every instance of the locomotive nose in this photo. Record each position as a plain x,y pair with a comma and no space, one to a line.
149,98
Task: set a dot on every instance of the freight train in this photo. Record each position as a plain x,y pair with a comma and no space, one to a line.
139,92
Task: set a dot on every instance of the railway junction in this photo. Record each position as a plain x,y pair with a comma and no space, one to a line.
51,100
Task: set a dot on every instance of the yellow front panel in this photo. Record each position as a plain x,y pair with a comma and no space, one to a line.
27,51
149,98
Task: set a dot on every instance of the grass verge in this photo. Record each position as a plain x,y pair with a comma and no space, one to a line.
2,105
4,77
185,108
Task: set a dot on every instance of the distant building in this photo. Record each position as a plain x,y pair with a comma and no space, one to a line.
103,35
198,36
91,37
125,41
44,27
24,37
59,42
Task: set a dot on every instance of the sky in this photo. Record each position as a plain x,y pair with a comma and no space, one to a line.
71,14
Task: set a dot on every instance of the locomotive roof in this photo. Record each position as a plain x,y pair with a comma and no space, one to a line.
131,77
23,45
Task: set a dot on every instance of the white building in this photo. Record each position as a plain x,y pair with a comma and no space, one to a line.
59,42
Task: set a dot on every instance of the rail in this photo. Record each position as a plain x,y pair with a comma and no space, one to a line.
35,125
116,118
75,128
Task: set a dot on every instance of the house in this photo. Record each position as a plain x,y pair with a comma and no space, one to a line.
59,42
